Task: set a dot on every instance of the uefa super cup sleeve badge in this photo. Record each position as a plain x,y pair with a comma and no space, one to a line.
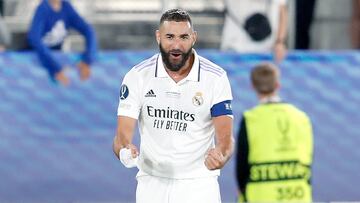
124,92
198,100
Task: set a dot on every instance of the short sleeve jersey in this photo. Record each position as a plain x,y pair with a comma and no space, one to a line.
175,119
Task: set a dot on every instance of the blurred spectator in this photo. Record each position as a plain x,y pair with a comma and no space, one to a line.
274,146
304,18
49,27
355,24
5,36
256,26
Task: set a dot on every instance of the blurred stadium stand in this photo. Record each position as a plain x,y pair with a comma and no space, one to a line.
55,142
331,26
124,24
128,24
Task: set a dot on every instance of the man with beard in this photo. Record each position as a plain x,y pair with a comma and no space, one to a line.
182,103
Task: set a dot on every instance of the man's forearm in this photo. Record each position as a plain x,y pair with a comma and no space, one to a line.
124,133
117,146
226,146
224,137
283,21
119,143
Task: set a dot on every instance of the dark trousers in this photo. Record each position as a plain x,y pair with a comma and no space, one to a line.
304,17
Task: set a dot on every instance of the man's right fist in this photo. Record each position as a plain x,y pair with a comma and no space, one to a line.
128,157
214,159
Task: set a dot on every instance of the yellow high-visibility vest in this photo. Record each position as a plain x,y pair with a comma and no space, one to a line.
280,154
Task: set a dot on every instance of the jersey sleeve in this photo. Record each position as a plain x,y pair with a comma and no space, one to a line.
222,97
79,23
34,38
129,99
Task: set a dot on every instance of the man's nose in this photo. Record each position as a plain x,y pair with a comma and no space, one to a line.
177,43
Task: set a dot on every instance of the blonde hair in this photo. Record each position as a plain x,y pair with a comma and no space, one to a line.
265,78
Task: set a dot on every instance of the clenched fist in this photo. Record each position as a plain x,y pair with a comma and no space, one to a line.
129,156
214,159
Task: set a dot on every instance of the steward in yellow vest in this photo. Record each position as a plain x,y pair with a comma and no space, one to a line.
274,146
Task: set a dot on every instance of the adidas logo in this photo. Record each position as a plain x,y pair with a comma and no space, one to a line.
150,94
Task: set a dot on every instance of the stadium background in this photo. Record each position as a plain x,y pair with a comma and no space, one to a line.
55,142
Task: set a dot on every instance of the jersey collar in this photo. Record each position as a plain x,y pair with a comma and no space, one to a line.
194,74
270,99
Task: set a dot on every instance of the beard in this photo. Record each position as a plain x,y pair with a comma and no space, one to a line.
173,66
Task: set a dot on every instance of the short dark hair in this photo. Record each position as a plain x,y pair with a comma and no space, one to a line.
264,78
178,15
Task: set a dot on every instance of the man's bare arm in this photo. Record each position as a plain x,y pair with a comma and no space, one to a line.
218,156
124,135
280,44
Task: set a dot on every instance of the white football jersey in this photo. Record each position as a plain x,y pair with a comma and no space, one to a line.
175,119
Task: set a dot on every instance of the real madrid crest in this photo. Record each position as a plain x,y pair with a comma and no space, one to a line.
198,100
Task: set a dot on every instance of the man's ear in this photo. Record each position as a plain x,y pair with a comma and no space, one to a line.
157,35
278,85
194,37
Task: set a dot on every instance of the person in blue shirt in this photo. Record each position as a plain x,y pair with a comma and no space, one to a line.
49,27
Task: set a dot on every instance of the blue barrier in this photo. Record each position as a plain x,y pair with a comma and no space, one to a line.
55,142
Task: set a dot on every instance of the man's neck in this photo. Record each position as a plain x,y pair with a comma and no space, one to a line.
183,72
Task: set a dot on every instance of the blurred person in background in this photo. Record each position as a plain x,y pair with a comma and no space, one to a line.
304,17
182,104
256,26
50,25
274,146
355,24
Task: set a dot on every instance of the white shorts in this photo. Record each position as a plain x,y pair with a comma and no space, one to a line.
151,189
